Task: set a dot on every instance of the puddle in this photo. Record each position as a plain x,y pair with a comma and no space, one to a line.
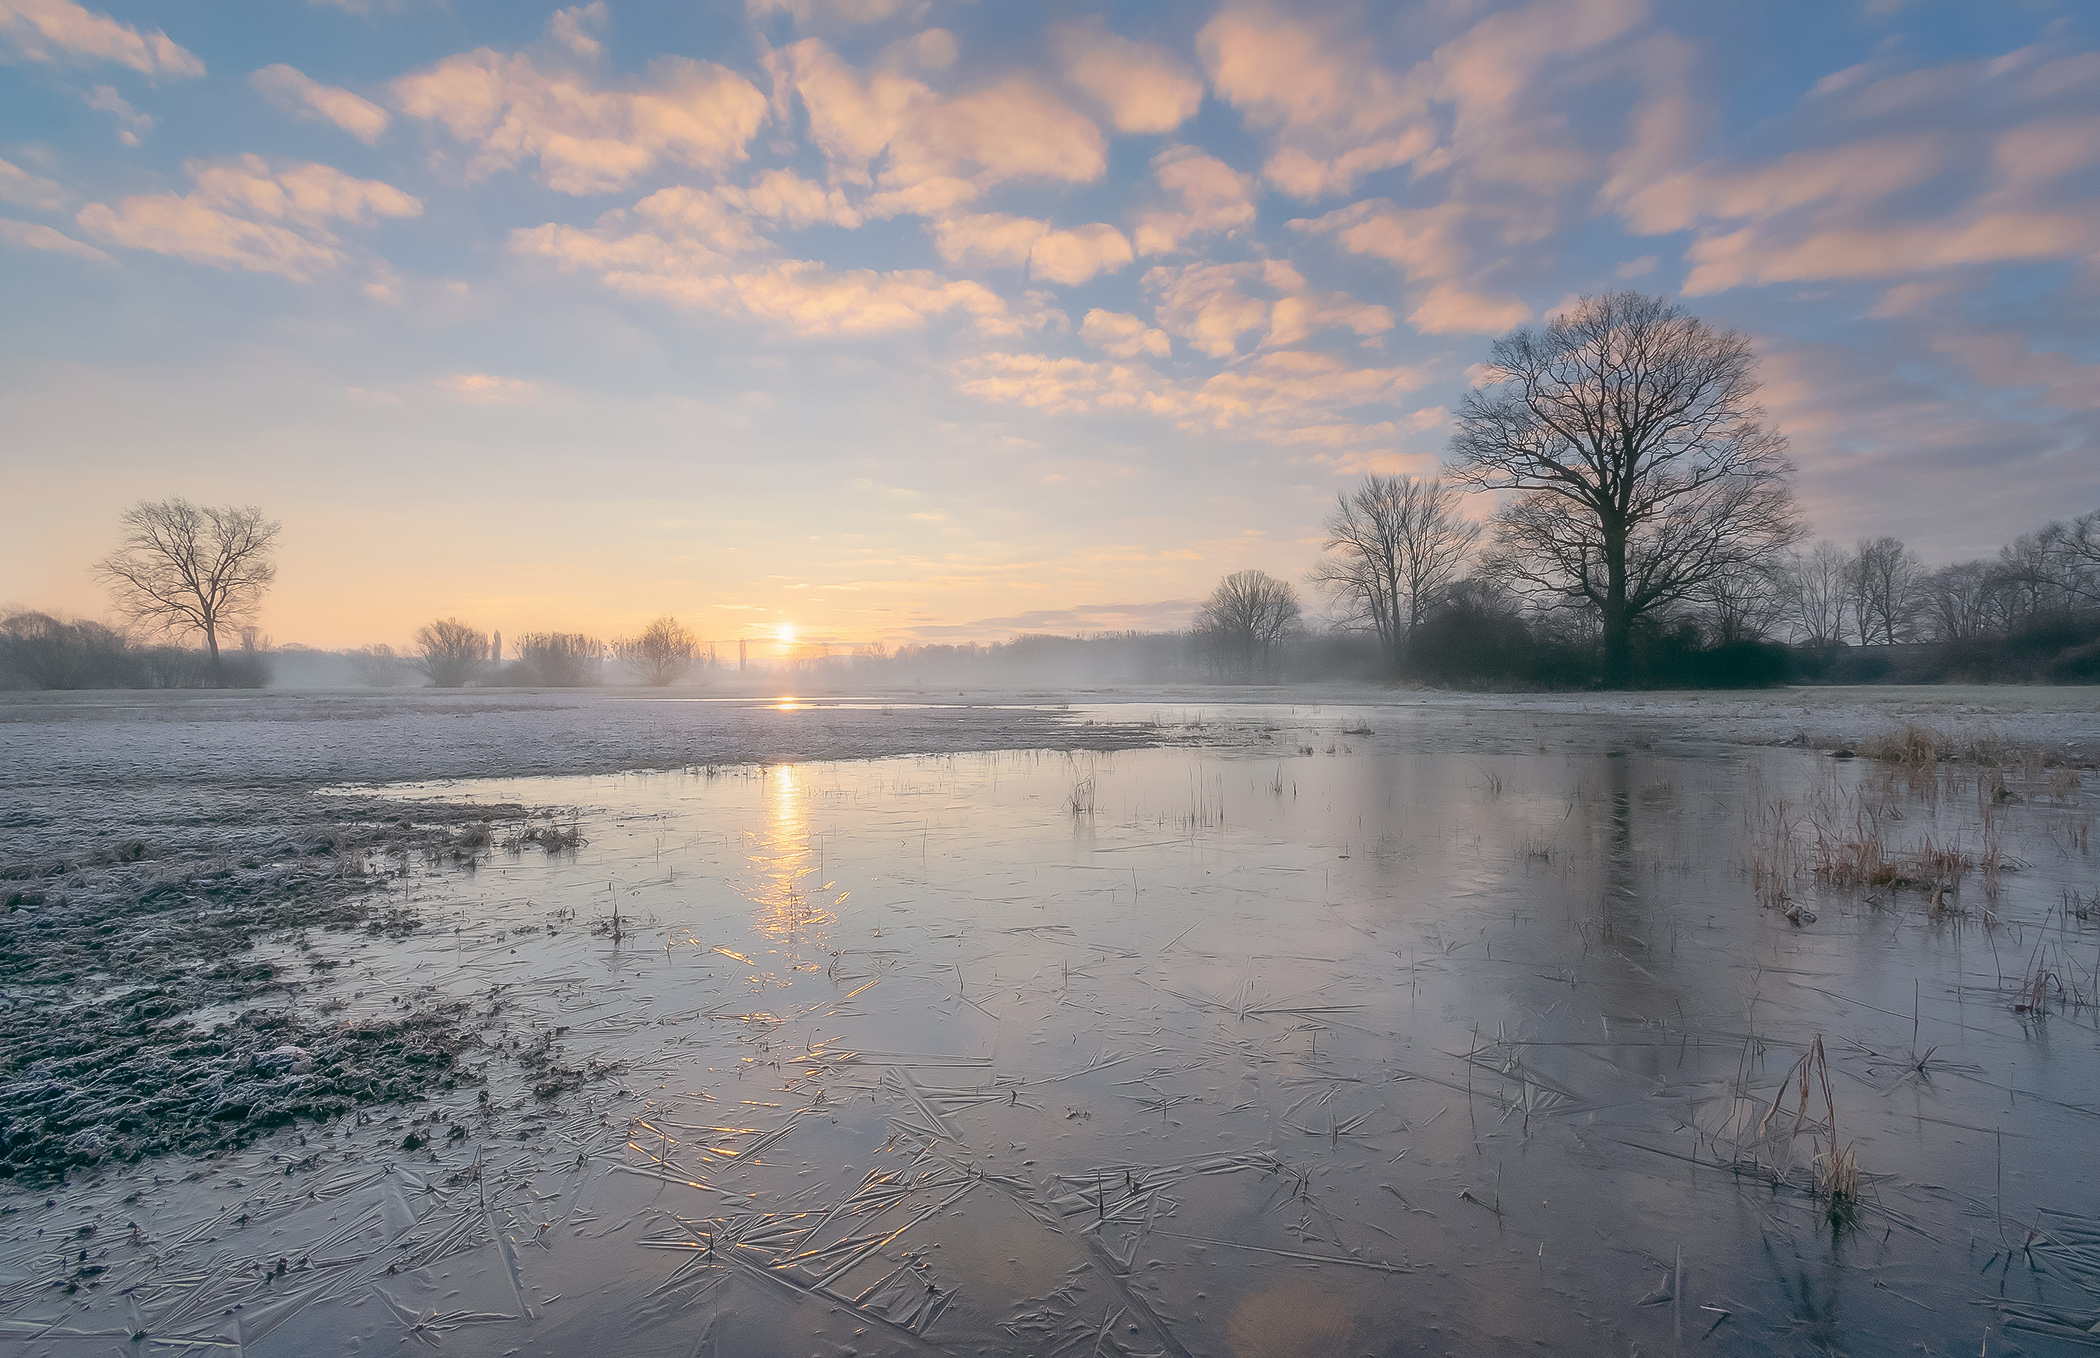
1411,1043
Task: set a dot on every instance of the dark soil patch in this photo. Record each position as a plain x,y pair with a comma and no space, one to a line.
110,942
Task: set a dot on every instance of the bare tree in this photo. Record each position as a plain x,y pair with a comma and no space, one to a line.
1393,545
1633,428
1816,593
1746,603
661,654
1963,601
560,659
1884,584
191,569
2074,548
376,666
1246,617
450,652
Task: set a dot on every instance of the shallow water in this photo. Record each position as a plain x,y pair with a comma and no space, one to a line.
1338,1040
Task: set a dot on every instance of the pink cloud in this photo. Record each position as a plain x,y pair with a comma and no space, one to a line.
294,92
59,30
1145,88
251,214
588,132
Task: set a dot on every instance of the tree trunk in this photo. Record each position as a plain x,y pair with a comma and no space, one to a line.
1618,629
211,644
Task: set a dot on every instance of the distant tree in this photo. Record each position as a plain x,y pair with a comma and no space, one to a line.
1884,588
2074,549
1962,602
190,569
1746,603
1633,429
1393,544
662,654
560,659
44,652
1816,591
449,652
377,666
1246,617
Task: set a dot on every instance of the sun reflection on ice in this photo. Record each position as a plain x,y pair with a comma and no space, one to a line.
793,907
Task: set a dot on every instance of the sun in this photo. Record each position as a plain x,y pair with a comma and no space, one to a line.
785,633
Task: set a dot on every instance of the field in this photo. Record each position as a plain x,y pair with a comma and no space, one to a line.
1146,1023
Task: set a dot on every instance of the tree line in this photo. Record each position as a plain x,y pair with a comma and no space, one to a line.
1646,534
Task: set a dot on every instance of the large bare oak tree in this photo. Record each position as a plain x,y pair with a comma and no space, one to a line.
192,569
1632,429
1393,544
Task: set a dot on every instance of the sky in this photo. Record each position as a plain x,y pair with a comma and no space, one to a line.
930,320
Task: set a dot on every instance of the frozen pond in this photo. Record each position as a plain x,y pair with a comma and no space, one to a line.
1367,1034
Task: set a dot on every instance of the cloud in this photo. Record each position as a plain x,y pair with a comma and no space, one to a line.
1069,256
1145,88
1925,171
590,132
294,92
59,30
1210,196
105,99
1449,309
1209,305
855,12
1122,335
250,214
2005,360
1428,245
1167,615
1286,397
487,388
1332,112
36,236
682,246
1880,437
784,198
935,153
24,189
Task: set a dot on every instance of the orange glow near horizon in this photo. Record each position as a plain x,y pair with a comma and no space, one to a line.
785,633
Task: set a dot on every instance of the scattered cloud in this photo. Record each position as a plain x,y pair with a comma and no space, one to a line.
589,131
1957,167
296,93
1286,397
487,388
1207,197
922,153
1145,88
1070,256
1123,335
1215,306
61,31
251,214
105,99
24,189
36,236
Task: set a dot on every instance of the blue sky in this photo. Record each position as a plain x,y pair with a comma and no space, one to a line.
925,320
